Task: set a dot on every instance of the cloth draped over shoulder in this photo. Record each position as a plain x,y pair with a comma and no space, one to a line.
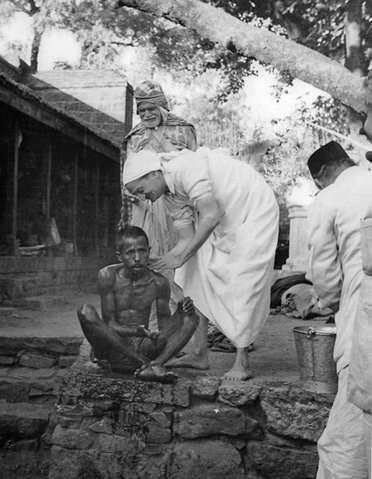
174,134
229,277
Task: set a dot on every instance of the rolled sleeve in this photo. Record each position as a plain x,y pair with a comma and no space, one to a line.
181,217
193,176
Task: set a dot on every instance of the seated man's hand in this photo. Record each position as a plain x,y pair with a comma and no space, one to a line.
188,306
153,335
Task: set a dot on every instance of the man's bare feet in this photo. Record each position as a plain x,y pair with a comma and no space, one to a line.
240,371
155,372
237,374
191,360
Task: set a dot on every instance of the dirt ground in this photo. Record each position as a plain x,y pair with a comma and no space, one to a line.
273,358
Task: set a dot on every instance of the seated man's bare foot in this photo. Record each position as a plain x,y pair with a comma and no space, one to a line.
155,372
238,374
191,360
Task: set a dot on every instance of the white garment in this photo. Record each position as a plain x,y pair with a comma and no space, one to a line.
367,434
335,264
360,381
229,276
341,447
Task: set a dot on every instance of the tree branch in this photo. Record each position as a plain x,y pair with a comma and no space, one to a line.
283,54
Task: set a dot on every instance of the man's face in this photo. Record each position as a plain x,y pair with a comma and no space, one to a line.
134,254
150,114
150,187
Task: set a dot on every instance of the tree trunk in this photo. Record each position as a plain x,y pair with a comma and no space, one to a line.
284,55
355,61
35,52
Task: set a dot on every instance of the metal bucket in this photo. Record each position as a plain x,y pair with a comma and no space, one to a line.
314,347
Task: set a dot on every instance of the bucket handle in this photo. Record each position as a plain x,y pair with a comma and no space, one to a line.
311,333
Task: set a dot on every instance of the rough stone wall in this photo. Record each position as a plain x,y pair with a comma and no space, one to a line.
111,427
22,277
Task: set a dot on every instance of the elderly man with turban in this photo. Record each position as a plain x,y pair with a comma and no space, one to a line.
158,131
226,217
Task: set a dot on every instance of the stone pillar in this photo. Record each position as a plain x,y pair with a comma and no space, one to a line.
298,203
298,252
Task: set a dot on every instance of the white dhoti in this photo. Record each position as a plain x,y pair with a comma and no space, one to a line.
229,277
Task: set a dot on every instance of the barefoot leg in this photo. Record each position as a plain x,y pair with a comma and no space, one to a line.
198,357
240,371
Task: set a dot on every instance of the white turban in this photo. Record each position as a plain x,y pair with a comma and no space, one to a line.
140,164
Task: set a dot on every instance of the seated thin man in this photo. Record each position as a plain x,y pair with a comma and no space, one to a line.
127,291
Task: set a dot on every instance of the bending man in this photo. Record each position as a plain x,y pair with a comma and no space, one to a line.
227,222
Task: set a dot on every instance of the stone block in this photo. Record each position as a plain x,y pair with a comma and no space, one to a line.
206,387
37,361
74,383
25,445
13,391
72,438
126,446
279,462
64,463
32,375
24,419
238,393
105,425
160,418
205,459
74,412
207,420
295,413
157,433
7,360
66,361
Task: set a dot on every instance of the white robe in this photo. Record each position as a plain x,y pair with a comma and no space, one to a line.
229,277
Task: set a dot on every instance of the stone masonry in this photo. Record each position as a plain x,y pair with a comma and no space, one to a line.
113,427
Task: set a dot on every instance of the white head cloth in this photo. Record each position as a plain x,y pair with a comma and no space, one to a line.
140,164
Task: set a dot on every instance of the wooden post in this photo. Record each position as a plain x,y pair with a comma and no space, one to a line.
74,216
49,175
48,185
16,143
96,212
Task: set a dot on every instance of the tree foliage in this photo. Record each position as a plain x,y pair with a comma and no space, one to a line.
104,31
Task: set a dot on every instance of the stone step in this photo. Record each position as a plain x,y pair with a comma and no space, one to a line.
23,420
44,302
55,346
25,384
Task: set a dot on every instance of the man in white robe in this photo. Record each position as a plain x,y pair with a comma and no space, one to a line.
335,269
226,217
